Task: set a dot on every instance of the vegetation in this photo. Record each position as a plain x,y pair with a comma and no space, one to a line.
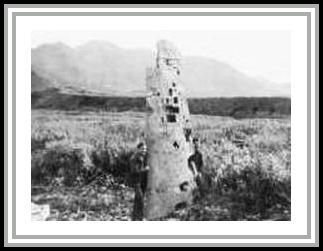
80,166
237,107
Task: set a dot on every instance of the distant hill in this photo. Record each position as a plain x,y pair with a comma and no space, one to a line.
102,68
39,83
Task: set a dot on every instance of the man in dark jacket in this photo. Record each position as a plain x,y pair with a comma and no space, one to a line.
139,173
195,162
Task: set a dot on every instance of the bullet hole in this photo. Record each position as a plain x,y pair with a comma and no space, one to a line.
178,72
158,94
167,100
172,109
175,100
176,145
174,84
180,205
170,91
167,62
171,118
184,186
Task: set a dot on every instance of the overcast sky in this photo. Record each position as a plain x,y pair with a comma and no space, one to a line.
261,54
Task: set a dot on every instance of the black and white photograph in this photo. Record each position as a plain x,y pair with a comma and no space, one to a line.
167,126
148,125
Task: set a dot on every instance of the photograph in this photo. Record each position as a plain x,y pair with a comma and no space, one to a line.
161,125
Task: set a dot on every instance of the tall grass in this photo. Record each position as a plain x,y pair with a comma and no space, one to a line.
247,162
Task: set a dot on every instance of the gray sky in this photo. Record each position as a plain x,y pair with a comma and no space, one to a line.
261,54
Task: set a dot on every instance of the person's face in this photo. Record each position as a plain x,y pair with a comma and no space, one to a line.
196,145
143,149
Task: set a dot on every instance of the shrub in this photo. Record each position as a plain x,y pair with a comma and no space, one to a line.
61,159
112,161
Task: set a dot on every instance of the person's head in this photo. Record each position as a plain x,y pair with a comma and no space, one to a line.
196,143
142,148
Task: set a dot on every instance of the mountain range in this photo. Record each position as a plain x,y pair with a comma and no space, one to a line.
104,69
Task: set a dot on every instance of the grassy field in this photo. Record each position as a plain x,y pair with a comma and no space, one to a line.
80,166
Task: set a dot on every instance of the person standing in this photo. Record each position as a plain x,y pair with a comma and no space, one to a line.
139,173
195,163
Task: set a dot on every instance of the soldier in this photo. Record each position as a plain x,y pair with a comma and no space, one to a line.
139,172
195,162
